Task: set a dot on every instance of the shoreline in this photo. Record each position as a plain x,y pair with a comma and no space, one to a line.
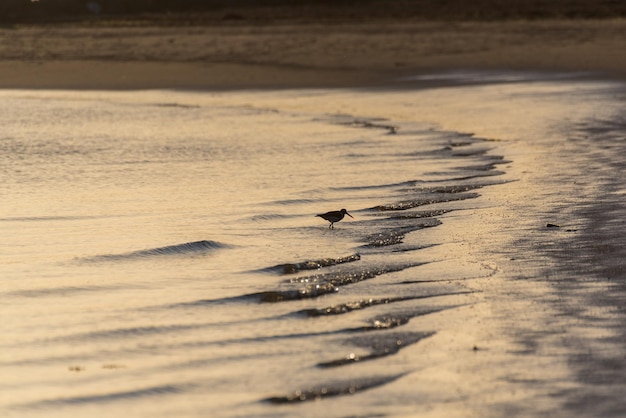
299,56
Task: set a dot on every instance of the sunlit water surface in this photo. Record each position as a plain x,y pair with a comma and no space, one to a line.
160,253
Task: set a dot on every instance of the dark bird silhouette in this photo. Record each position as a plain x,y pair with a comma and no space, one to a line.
334,216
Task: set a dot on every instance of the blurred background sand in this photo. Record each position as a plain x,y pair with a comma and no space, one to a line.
301,44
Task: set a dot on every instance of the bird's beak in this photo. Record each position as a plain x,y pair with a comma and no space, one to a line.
349,215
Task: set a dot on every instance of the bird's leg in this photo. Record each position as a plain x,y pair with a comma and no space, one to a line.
331,226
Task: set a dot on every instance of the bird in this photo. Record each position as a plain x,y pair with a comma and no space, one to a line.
334,216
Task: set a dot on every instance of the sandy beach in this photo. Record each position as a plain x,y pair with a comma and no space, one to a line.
311,54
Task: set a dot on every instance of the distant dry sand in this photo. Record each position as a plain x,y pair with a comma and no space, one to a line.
304,55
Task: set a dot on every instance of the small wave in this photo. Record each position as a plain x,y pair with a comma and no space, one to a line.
396,235
269,217
489,166
419,214
457,188
410,204
309,287
370,124
367,123
322,284
333,389
477,176
291,268
347,307
188,248
454,188
307,292
407,183
380,346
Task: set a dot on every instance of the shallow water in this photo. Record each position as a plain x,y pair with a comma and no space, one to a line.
161,254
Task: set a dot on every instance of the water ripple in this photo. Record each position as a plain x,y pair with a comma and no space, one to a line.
188,248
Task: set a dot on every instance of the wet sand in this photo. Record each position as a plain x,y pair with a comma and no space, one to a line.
366,53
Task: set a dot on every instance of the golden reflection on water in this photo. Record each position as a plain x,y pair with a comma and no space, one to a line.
87,336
